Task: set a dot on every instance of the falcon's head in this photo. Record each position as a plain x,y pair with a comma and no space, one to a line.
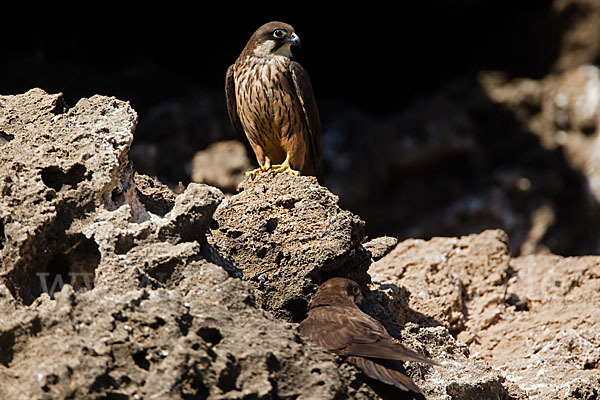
273,39
338,291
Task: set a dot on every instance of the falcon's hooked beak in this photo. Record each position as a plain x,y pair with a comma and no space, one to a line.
293,40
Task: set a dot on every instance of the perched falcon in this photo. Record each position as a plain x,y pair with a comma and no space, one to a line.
271,103
335,323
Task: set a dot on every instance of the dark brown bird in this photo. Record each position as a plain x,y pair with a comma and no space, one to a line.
335,323
271,104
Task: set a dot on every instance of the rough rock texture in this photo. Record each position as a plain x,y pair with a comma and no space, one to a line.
211,342
529,317
547,343
380,246
288,235
446,280
122,300
58,164
114,286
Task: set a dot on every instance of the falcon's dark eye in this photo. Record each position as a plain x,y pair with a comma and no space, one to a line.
355,290
279,33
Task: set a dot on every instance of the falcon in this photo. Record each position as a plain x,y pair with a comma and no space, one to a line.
335,323
271,104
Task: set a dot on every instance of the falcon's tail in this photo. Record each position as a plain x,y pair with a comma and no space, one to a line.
386,375
388,349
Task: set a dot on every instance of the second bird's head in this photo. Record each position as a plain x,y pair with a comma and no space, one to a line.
273,39
338,291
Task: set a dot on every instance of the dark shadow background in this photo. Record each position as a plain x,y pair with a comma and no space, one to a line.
369,65
375,57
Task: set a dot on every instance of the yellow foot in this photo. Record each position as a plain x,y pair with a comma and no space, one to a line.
284,167
263,168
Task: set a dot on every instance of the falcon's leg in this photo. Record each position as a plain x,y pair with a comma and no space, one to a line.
263,168
284,167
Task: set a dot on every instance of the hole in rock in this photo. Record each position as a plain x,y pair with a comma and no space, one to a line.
76,266
123,244
590,365
117,197
235,234
36,326
514,300
192,388
262,252
162,272
273,363
115,396
281,257
229,375
156,199
5,137
118,316
271,225
157,323
184,323
50,195
51,380
55,178
103,382
210,335
287,202
124,381
7,342
140,359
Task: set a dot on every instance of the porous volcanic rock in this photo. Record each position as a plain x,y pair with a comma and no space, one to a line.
288,234
546,341
443,281
531,318
105,290
210,343
58,164
114,286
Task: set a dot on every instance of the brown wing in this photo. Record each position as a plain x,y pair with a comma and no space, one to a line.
386,348
311,114
349,331
390,376
329,327
232,105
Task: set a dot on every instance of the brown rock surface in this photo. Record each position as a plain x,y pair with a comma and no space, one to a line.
546,342
148,343
531,318
139,311
288,235
113,286
60,163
